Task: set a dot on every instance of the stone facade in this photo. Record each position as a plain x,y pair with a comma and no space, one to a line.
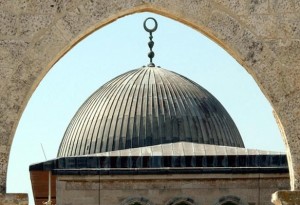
155,173
286,197
14,199
209,189
262,35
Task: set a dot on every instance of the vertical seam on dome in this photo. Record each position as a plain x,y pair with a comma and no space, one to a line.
233,137
156,123
194,122
84,128
108,87
213,121
222,139
103,105
142,127
201,115
113,88
80,121
195,115
145,109
136,122
139,108
65,140
91,112
167,136
110,117
190,124
116,102
121,97
101,94
176,102
229,138
101,118
151,108
73,127
160,109
129,133
94,121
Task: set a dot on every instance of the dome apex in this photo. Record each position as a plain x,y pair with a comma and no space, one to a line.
144,107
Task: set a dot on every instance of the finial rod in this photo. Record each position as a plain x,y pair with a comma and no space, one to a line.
150,43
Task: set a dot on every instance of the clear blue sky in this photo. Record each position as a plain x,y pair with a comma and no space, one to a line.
122,46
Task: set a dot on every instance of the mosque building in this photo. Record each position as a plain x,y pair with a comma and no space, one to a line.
154,137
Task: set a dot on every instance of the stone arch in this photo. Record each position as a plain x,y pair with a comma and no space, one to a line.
230,199
33,36
136,201
181,201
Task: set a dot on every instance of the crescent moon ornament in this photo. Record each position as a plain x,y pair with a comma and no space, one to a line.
150,43
148,29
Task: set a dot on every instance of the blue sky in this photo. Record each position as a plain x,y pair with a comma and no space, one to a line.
122,46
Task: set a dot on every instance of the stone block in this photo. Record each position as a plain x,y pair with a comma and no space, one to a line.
12,52
48,47
281,6
71,5
259,7
79,192
264,26
290,79
9,6
288,26
73,23
297,6
271,81
285,197
287,52
31,24
3,149
191,11
13,199
21,77
82,186
224,33
5,75
8,23
42,7
236,7
290,106
276,182
101,10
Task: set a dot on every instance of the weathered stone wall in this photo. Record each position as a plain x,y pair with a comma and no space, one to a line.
209,189
286,197
262,35
13,199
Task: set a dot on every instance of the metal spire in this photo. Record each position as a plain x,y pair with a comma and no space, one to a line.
150,43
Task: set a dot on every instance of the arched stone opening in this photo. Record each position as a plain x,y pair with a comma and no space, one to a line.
181,201
29,56
230,200
136,201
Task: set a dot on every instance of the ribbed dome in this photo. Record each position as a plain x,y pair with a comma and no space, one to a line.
144,107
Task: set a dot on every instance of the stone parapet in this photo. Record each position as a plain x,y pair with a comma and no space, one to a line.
14,199
286,197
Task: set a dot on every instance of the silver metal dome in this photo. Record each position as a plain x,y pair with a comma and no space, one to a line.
145,107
